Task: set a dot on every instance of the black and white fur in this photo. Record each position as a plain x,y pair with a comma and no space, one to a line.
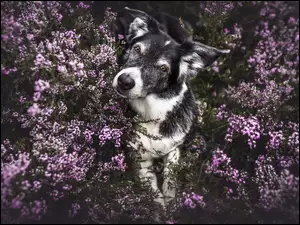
159,60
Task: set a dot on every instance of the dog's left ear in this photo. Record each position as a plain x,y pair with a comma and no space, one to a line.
196,56
132,23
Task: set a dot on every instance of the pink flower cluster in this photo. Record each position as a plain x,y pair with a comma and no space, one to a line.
117,163
220,165
62,119
254,106
192,200
107,133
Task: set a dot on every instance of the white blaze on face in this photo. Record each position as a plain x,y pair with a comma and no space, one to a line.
135,74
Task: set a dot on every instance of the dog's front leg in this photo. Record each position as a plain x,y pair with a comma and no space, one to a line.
146,172
169,184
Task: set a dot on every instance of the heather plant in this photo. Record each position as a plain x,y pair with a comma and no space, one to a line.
64,129
71,119
253,106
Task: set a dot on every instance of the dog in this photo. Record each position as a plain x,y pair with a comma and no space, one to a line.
159,59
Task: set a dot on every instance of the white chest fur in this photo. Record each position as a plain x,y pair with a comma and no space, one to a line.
158,147
154,108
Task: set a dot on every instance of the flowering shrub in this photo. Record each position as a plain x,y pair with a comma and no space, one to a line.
257,109
63,98
63,126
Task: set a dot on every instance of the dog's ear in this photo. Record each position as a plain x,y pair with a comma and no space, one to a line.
195,56
180,30
132,23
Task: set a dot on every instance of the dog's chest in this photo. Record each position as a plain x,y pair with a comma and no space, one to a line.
158,145
156,109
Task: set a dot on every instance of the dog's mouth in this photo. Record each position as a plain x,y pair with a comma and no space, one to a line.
124,96
120,93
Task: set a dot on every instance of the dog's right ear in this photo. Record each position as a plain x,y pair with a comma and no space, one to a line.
132,23
196,56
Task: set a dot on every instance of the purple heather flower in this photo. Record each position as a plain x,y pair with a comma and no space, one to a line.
40,58
30,36
59,17
34,109
36,96
120,37
101,27
41,85
61,69
49,46
4,37
292,20
80,65
22,99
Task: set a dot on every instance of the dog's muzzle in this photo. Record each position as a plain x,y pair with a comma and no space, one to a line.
128,83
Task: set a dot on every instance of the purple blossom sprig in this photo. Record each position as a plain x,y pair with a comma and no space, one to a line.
220,165
107,133
192,200
274,190
214,8
117,163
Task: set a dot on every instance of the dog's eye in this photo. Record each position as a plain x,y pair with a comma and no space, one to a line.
137,49
164,68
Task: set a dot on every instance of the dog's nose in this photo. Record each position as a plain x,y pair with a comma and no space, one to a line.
125,82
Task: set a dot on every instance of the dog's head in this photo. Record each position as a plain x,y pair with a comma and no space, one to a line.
153,60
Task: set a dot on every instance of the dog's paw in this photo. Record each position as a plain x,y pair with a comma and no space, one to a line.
159,213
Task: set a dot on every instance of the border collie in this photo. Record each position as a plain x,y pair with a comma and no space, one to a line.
159,60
